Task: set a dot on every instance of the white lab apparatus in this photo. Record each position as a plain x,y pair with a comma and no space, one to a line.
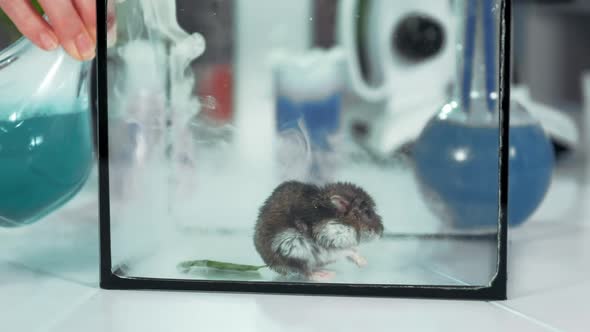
411,91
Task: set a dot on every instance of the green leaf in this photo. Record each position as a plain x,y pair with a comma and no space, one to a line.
187,266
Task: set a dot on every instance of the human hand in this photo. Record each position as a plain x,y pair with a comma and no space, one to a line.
70,23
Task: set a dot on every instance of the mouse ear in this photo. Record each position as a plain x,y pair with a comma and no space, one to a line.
340,203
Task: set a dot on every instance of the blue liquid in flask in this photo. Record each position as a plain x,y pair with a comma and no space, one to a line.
458,165
321,117
44,161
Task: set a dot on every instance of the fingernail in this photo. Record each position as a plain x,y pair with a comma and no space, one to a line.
85,46
70,47
92,34
48,40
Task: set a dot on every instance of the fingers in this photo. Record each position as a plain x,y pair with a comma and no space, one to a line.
30,23
87,11
72,23
70,28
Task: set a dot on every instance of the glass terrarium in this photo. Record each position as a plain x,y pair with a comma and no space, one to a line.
313,146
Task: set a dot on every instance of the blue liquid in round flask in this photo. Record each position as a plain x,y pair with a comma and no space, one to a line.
46,148
457,167
457,154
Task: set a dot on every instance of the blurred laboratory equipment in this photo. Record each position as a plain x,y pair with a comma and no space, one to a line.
46,149
137,113
461,141
308,92
153,101
214,69
551,35
402,43
406,43
400,52
380,43
564,133
550,56
262,27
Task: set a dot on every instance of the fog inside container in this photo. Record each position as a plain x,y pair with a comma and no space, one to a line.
182,188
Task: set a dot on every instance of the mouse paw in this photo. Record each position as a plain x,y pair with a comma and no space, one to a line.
321,275
357,259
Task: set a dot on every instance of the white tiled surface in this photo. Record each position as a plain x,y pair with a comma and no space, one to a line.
548,289
549,263
33,301
63,245
144,311
565,308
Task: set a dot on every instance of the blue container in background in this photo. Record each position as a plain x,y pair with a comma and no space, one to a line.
321,117
308,104
456,164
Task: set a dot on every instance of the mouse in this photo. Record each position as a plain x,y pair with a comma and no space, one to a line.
302,228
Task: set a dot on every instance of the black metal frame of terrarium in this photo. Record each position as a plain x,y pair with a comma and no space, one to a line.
495,290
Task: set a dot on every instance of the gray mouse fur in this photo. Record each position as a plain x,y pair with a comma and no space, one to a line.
303,227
